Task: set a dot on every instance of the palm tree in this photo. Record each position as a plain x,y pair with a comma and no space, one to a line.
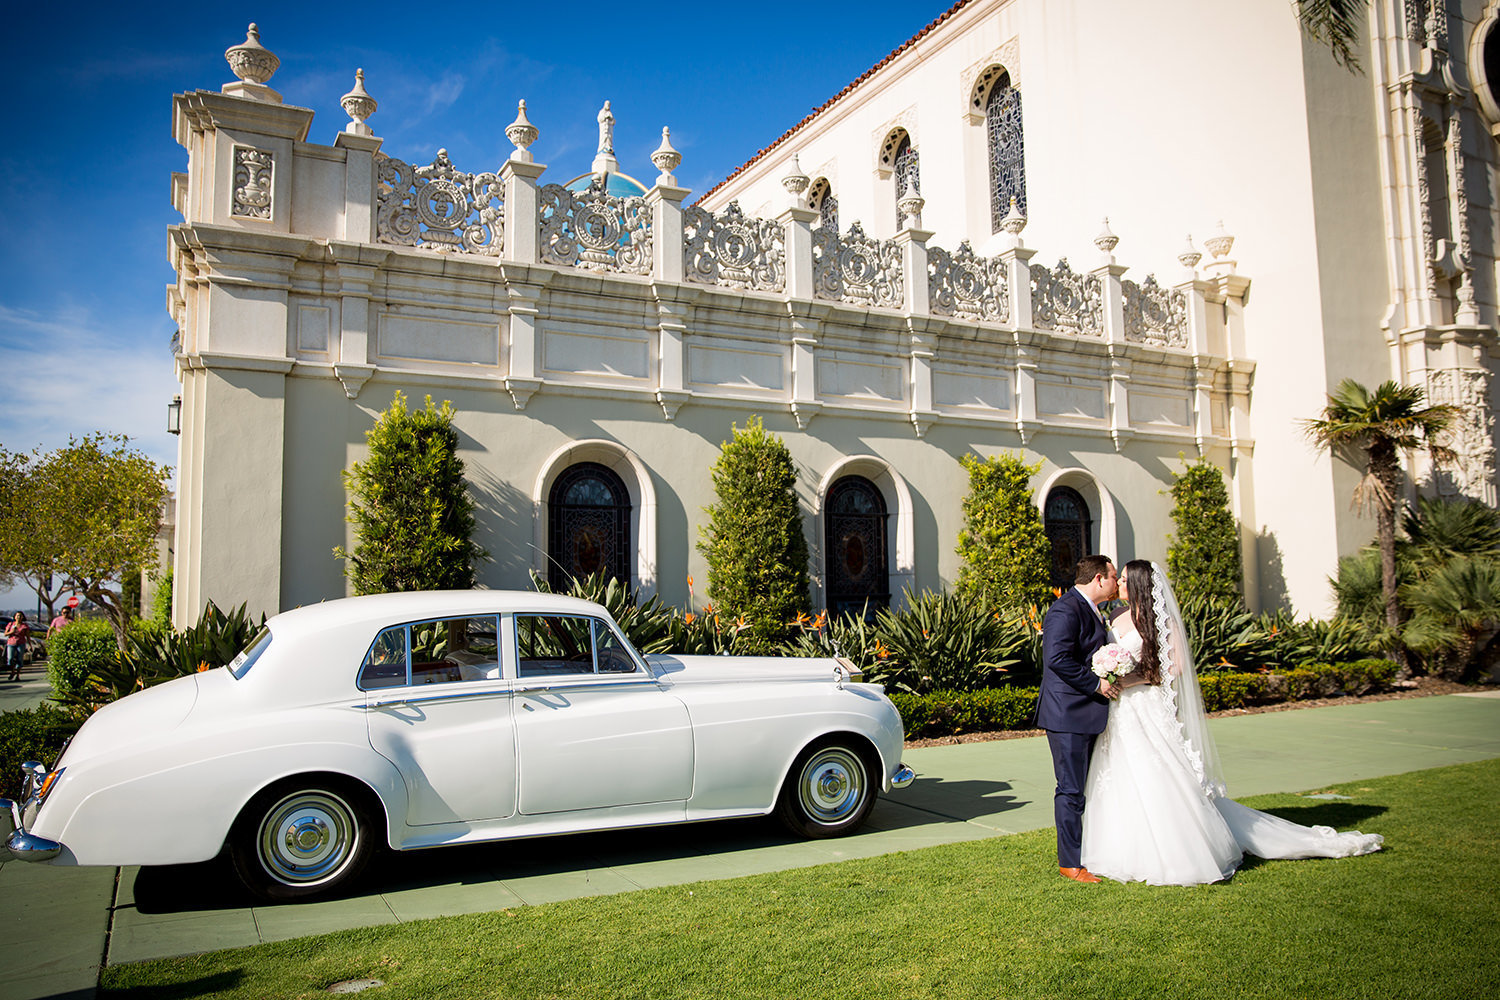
1380,425
1336,24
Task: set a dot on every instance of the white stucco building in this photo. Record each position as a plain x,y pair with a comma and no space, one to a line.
598,341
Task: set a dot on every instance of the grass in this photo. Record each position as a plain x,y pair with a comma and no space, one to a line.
980,919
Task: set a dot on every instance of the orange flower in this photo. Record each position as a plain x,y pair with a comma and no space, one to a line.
689,618
740,624
203,666
1056,591
820,621
881,652
690,581
708,609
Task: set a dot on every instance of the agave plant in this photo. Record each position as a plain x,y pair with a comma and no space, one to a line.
1223,634
943,641
647,624
852,636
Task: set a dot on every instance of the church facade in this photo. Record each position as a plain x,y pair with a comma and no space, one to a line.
980,246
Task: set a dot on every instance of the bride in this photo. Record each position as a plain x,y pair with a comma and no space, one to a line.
1156,807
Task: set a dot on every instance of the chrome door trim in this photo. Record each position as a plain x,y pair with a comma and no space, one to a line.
397,702
593,682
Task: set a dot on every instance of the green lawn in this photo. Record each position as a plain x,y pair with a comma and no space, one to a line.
980,919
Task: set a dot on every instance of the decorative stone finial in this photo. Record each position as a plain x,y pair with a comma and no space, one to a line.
1106,241
910,207
604,159
666,159
1220,243
521,134
251,61
1014,220
358,105
1189,256
796,182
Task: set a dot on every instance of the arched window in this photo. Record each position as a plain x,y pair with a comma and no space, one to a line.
904,169
1068,525
856,557
1007,151
821,200
588,510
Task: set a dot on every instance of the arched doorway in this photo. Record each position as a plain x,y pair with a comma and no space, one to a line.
588,512
1068,525
855,539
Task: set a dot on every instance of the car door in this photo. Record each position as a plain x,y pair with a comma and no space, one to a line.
594,729
439,708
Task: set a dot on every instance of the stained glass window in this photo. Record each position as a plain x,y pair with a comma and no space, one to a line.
821,200
904,166
1007,151
854,532
1068,524
589,517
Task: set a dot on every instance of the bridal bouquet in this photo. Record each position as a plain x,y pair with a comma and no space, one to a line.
1111,660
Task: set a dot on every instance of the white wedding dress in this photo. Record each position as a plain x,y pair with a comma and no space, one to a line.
1154,814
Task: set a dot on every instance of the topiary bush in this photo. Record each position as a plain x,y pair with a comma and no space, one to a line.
1003,545
76,651
1203,557
33,734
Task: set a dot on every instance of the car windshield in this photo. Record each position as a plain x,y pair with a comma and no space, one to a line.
240,665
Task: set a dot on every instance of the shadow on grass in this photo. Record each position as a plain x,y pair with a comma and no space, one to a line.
204,986
1339,815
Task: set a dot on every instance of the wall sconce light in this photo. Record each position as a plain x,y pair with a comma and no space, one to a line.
174,415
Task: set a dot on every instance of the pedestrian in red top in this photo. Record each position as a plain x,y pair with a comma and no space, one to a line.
16,634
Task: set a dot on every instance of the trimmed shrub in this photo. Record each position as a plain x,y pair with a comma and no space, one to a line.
946,713
76,651
753,541
33,734
1230,690
1004,547
1203,558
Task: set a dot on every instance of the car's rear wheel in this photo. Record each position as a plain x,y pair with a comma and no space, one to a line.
301,839
829,791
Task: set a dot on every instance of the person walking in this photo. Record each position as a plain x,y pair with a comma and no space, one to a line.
17,632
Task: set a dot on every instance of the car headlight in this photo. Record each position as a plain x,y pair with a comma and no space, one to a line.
48,781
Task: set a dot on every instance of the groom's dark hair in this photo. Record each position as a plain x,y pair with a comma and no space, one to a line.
1090,567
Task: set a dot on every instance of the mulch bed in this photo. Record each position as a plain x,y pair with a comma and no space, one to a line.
1420,687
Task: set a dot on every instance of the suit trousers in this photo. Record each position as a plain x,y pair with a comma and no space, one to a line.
1071,753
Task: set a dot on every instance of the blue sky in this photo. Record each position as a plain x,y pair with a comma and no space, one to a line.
84,333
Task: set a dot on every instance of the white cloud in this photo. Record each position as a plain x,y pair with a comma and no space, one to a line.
445,92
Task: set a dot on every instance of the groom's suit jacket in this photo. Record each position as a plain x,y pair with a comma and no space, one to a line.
1070,701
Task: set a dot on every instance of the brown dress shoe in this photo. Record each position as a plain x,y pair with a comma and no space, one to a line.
1079,874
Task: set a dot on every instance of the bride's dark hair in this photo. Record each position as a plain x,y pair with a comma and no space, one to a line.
1143,615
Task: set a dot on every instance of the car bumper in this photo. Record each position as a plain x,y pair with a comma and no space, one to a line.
903,777
19,844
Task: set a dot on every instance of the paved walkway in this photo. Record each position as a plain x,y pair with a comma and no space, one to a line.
57,923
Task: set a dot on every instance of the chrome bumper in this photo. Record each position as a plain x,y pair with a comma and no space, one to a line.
14,840
903,777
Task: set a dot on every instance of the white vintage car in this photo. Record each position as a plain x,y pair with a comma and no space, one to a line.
437,718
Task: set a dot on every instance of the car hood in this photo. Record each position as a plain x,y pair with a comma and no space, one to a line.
137,718
715,669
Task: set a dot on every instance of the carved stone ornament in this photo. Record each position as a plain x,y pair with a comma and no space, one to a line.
1155,315
796,181
967,287
253,174
593,229
1106,241
856,268
731,249
1189,256
521,134
1220,243
1066,301
1014,221
666,159
1470,436
358,105
251,61
438,207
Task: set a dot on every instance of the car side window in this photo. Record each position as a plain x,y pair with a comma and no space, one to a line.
613,654
552,645
436,651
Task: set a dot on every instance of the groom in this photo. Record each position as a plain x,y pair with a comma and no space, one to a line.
1073,706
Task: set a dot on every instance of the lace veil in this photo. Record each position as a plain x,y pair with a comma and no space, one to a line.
1180,678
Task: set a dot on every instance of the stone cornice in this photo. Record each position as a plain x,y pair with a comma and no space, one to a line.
204,110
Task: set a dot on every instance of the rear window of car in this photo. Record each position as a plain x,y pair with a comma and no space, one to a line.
240,665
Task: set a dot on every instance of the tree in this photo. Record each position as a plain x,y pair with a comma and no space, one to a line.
757,554
1376,427
83,515
1203,559
412,514
1003,544
1335,23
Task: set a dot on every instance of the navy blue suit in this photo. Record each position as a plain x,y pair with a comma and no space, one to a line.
1071,709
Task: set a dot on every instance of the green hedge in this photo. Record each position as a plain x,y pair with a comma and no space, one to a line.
77,650
949,713
30,734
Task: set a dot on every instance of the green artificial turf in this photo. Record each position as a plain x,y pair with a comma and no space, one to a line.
988,918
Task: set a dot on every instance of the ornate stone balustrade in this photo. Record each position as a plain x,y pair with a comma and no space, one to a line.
1066,301
594,229
967,287
438,207
732,250
1155,315
856,268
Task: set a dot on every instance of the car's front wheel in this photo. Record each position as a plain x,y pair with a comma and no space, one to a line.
301,839
829,791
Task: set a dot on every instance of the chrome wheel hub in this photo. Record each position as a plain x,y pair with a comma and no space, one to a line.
832,785
307,838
